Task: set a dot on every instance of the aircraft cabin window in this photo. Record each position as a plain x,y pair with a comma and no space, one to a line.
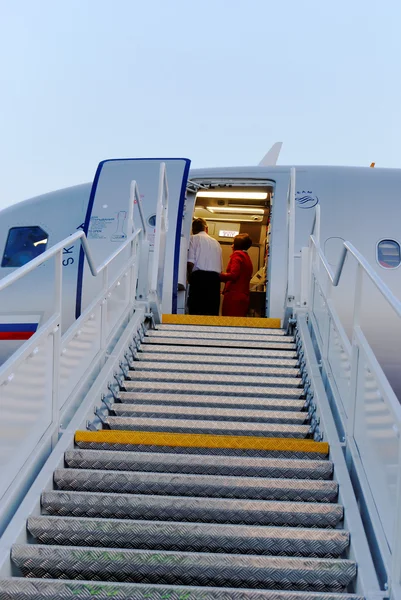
388,254
23,244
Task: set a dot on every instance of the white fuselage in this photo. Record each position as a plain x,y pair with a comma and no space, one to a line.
357,204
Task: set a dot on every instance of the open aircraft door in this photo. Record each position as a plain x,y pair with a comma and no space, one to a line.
113,213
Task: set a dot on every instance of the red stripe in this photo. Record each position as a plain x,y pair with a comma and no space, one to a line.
16,335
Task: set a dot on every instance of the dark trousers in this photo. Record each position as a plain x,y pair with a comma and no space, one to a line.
204,293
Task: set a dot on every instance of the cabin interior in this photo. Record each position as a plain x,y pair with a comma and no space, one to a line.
230,210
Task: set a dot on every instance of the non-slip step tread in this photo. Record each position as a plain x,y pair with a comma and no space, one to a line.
196,367
218,343
261,353
198,510
199,464
51,589
217,401
190,537
187,568
144,358
201,486
220,329
221,334
207,427
213,389
214,378
210,414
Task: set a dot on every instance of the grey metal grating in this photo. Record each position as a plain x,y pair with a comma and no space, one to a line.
184,568
202,486
216,359
42,589
194,510
241,334
218,343
208,427
226,380
189,537
140,366
138,410
229,401
254,331
215,389
197,464
165,522
219,351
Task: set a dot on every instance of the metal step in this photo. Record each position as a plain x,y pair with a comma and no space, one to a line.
213,389
52,589
254,331
186,568
193,510
218,343
219,333
143,358
211,401
198,367
122,446
132,521
212,427
210,414
261,354
190,537
226,380
202,486
198,464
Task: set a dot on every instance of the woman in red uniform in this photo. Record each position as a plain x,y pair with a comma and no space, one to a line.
237,278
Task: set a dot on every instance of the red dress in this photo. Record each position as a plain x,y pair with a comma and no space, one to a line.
236,290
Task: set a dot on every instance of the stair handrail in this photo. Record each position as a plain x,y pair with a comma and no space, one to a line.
68,241
373,276
360,341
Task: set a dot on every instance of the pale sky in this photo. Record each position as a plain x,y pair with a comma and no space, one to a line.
217,81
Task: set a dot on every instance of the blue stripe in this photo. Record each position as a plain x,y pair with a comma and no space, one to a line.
18,327
180,213
81,260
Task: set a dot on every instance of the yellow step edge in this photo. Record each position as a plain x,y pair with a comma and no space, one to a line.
266,323
193,440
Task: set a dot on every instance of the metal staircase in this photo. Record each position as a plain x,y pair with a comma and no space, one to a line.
204,483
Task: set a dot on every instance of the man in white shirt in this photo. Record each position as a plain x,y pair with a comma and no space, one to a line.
204,268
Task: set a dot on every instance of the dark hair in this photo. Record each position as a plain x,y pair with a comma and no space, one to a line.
198,225
242,241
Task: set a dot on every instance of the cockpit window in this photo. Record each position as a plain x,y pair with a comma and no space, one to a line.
23,244
388,254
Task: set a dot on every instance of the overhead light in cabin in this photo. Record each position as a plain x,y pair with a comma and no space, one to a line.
238,210
232,195
238,219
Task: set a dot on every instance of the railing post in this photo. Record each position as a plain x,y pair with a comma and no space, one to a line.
291,240
353,392
57,311
395,573
305,277
103,314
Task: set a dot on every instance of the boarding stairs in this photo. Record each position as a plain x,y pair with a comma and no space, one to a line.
206,480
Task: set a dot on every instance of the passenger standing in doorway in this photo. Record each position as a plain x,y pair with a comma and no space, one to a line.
237,278
204,267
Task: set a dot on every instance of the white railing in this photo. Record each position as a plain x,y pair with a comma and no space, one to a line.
159,254
37,382
360,386
290,296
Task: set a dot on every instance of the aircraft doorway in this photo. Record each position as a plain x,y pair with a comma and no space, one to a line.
230,210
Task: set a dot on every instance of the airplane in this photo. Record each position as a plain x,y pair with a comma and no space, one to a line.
359,204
